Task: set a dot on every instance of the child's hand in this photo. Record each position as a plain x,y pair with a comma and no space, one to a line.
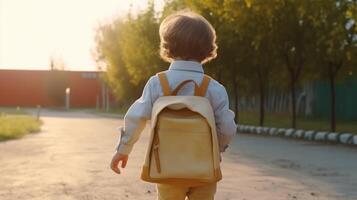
115,162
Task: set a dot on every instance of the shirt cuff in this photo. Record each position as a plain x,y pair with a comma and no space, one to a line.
122,148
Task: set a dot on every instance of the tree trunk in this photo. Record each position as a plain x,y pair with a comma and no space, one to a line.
332,77
262,107
262,100
294,77
293,98
235,92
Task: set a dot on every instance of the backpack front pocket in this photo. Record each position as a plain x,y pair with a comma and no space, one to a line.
184,147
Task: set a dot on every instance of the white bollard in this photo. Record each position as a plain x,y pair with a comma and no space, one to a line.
273,131
332,137
345,138
320,136
265,130
289,132
281,131
38,112
259,130
309,135
355,139
298,134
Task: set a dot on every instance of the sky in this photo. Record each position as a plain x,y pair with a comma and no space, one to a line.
34,31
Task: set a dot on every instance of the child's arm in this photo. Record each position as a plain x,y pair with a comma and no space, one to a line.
135,119
226,127
134,123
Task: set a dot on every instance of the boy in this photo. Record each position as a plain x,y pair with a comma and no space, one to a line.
187,41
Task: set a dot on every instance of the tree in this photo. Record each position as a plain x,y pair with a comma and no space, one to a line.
256,28
109,43
336,29
232,46
293,36
129,48
279,44
245,40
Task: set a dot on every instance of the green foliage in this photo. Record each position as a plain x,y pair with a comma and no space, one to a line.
16,126
336,38
129,47
281,44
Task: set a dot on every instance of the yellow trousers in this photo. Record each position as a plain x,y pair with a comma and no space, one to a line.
173,192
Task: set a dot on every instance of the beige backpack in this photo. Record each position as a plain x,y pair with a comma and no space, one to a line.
183,146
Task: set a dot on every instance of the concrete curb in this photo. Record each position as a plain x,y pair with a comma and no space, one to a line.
321,136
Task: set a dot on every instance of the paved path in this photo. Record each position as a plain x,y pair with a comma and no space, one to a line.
70,159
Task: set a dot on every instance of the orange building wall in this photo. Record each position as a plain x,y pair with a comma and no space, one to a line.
28,88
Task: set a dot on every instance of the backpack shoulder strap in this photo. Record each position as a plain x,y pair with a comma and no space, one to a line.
199,91
175,91
164,83
204,85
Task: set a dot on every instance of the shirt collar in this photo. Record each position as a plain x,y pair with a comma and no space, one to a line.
184,65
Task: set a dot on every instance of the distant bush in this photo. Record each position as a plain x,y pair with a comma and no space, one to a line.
18,125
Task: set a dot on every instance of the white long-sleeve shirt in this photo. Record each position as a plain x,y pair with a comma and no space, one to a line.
179,70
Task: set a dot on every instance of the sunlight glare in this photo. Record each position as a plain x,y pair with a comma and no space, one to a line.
33,31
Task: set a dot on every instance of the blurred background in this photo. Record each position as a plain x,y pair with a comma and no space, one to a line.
285,63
